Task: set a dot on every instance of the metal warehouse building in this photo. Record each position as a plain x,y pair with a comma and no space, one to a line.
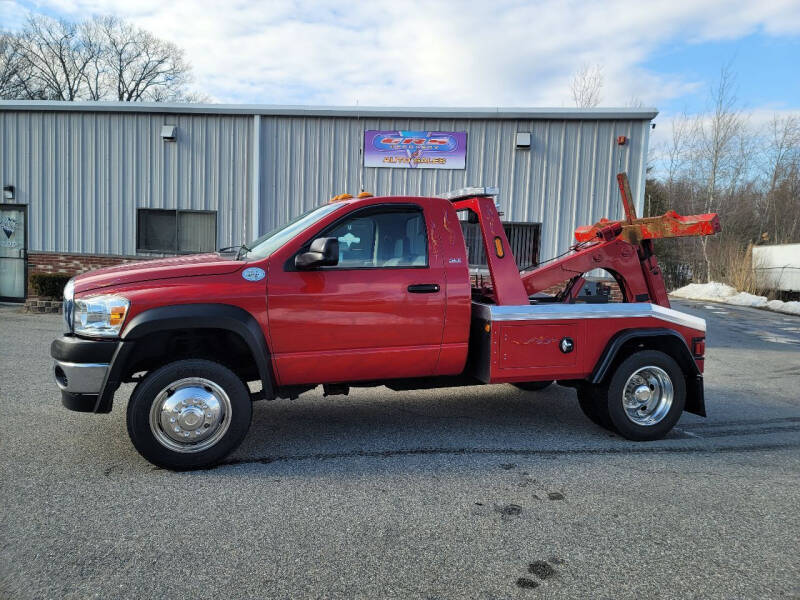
89,184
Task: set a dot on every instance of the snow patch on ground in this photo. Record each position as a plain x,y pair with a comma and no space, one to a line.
745,299
716,292
719,292
792,307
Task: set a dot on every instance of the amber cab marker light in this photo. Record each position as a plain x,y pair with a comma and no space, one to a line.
498,247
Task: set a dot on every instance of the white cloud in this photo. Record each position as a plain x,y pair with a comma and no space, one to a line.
419,52
12,15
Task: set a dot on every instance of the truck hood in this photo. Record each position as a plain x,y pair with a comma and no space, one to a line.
164,268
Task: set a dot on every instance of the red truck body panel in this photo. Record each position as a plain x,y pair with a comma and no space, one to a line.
507,288
333,325
192,265
529,350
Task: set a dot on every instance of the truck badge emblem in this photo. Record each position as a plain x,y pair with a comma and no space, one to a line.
253,274
566,345
455,261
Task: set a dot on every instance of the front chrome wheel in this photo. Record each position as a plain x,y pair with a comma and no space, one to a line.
647,395
190,415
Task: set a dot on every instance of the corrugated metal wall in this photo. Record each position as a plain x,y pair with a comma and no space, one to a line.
566,179
84,174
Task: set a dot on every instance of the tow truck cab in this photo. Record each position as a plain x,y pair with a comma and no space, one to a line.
371,291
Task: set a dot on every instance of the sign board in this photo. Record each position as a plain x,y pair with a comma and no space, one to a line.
415,149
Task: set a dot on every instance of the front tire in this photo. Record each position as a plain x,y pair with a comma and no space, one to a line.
189,414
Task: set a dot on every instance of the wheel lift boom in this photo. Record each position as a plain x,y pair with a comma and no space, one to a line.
623,248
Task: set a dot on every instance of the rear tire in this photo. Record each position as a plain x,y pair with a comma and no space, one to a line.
592,400
533,386
188,414
654,382
641,400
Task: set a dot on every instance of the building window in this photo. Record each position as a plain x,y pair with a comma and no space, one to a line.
176,231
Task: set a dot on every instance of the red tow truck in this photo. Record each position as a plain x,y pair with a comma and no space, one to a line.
376,291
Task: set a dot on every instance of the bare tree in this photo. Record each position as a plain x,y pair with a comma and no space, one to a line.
634,102
10,81
721,152
141,66
677,148
719,161
781,164
55,56
586,85
104,58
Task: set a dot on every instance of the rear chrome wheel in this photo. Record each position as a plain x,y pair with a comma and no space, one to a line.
641,400
647,395
189,414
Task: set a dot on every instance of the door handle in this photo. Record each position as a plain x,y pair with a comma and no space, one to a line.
423,288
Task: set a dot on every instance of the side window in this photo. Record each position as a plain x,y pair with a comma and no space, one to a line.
356,242
388,237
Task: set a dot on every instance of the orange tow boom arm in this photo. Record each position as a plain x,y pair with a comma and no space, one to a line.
633,230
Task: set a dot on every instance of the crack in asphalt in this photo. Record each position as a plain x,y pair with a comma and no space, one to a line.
702,426
427,451
711,433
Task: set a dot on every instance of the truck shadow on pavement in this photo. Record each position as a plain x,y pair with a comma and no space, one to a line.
501,421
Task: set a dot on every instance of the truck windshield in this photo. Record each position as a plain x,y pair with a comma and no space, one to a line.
269,242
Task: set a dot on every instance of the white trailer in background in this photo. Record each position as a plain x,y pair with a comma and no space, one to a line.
777,267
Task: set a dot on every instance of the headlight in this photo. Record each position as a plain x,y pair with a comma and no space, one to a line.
100,315
69,295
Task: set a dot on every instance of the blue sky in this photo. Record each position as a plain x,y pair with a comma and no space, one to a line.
767,70
664,54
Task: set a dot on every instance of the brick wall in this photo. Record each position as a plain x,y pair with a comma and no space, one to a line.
72,264
64,264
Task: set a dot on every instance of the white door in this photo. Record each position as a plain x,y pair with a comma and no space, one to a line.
12,252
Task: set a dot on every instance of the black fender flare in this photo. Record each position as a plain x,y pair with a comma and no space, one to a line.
188,316
657,338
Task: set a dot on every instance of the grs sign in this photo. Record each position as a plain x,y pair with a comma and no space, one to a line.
415,149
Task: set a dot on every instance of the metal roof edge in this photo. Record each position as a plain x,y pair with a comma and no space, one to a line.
626,113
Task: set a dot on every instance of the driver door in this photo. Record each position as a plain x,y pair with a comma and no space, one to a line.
378,314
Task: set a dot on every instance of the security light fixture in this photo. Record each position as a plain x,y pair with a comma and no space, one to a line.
523,139
8,192
169,133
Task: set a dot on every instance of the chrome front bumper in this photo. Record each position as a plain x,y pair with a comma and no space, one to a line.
81,369
80,378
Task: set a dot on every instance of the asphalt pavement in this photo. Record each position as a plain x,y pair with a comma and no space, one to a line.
484,492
